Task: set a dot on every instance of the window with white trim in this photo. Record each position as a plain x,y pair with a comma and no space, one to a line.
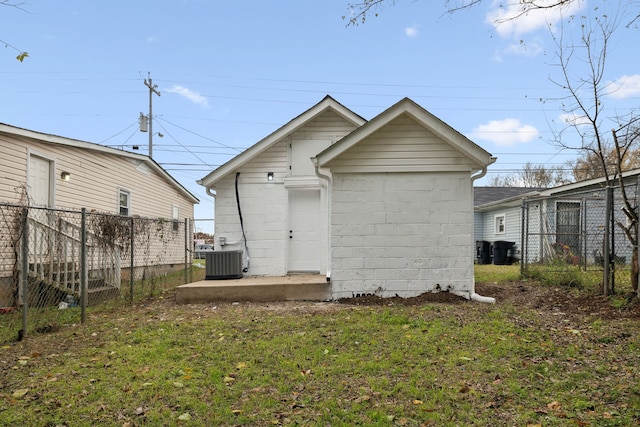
124,202
175,217
499,224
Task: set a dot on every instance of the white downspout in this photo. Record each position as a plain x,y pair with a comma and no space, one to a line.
327,179
472,294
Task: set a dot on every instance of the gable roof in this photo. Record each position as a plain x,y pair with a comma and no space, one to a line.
84,145
446,133
328,103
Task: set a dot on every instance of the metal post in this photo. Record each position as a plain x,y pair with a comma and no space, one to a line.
523,235
84,289
635,248
186,251
583,237
131,265
25,270
606,249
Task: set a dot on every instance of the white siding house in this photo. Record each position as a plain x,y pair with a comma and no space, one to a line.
46,172
32,166
382,207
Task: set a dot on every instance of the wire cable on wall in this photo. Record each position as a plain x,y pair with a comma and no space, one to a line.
244,237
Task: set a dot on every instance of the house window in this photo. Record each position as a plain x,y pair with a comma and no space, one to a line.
175,217
499,223
124,202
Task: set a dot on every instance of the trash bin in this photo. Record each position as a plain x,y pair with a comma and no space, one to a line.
500,250
483,252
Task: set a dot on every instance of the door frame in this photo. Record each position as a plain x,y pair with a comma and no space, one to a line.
319,263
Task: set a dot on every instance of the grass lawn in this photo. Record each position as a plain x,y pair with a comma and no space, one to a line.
541,356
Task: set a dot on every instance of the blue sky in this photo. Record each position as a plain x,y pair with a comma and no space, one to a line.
231,72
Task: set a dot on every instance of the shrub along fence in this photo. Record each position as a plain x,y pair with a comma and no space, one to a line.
56,263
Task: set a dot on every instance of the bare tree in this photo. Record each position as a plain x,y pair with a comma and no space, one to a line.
533,176
588,165
359,12
582,67
18,5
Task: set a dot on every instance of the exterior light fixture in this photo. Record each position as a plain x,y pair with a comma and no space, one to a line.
65,176
270,176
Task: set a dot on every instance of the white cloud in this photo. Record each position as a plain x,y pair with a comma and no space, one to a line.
525,49
509,20
574,119
506,132
411,32
624,87
192,96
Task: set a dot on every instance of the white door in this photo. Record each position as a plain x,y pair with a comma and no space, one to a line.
304,231
40,181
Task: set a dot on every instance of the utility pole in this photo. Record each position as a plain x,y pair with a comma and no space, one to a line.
152,90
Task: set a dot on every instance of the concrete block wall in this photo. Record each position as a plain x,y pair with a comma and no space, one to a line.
265,218
401,234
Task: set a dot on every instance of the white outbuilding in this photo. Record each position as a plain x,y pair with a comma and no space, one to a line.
381,207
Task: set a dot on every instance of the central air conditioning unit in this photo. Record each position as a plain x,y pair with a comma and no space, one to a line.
223,265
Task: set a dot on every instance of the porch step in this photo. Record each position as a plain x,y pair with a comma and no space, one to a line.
301,287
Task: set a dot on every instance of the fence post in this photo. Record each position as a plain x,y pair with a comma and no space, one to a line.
583,232
636,248
131,264
606,249
84,288
523,235
25,270
186,251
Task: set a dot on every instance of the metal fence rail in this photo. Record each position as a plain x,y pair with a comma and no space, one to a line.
56,263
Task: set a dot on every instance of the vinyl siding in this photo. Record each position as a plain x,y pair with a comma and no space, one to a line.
96,178
264,203
402,145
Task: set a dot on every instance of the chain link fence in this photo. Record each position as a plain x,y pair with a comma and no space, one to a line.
57,264
587,231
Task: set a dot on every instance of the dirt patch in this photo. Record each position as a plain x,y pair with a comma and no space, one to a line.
566,301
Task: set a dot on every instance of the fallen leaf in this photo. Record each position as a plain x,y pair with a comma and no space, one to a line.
185,417
236,411
418,402
554,406
178,384
364,398
241,365
228,379
21,392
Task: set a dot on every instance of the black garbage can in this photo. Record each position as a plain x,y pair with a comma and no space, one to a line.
500,250
483,252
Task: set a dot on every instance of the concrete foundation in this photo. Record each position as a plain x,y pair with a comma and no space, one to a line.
301,287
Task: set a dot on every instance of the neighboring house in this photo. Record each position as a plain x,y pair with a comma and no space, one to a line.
381,207
54,171
498,217
47,171
568,220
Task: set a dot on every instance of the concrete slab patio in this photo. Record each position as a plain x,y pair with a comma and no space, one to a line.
297,287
